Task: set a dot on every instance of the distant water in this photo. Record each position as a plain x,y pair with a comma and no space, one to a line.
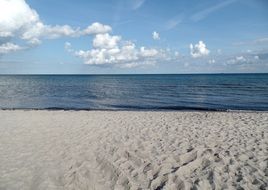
130,92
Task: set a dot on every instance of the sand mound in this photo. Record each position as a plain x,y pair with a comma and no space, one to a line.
133,150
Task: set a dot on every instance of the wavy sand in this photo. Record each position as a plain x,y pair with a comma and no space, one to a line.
133,150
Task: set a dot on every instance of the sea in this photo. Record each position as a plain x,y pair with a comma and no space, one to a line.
212,92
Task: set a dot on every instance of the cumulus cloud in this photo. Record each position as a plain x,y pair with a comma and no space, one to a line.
97,28
106,41
240,58
243,59
15,15
19,21
34,34
199,50
113,51
156,35
148,52
9,47
22,24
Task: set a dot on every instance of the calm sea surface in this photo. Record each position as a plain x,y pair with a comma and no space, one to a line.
128,92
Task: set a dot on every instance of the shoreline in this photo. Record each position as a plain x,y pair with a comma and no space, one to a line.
133,150
137,110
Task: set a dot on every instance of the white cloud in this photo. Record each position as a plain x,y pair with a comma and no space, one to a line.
106,41
113,51
124,55
9,47
199,50
243,59
240,58
236,60
97,28
19,21
15,15
156,35
39,30
148,52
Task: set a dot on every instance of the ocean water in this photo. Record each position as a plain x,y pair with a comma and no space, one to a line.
131,92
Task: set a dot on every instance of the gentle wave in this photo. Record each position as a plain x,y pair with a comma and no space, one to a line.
135,92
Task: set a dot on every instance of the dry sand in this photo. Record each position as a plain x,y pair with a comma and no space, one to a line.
133,150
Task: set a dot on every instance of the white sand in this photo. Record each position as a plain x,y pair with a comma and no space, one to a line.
133,150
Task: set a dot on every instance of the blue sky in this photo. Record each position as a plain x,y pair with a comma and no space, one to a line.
73,37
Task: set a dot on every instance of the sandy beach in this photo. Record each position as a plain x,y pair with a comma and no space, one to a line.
133,150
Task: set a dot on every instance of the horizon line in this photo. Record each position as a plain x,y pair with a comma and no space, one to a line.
133,73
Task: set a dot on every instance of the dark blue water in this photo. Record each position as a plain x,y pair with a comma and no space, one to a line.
171,92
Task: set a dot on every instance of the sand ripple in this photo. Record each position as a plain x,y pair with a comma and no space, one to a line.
133,150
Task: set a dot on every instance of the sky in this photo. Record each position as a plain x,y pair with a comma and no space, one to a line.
133,36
